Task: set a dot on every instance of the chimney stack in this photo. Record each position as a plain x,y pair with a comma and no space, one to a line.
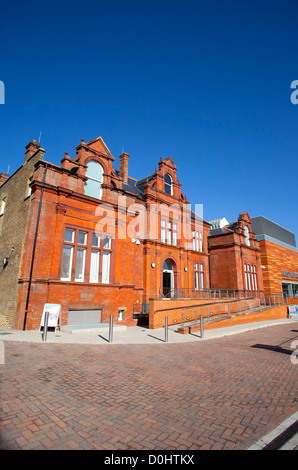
31,148
3,178
123,173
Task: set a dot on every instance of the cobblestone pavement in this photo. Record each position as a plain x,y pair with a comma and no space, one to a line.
223,393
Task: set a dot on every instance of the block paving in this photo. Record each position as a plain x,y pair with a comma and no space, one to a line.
223,393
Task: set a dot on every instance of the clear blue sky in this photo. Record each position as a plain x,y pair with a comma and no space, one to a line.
205,82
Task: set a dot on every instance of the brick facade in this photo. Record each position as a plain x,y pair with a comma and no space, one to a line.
278,260
136,261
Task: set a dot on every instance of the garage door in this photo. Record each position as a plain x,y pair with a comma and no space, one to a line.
84,317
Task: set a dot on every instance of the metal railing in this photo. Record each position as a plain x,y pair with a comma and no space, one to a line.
208,294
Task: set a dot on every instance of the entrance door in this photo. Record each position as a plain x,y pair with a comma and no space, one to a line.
168,278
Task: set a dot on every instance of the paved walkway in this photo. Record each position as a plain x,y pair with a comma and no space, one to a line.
226,391
131,335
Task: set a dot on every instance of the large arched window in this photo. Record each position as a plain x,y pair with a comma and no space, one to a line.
93,185
168,184
246,233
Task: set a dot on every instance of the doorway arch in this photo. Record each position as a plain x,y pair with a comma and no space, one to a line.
168,278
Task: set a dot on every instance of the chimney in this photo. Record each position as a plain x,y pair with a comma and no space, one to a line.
3,178
31,148
123,173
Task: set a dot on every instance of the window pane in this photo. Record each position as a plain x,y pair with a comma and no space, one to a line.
69,235
168,184
107,243
80,264
94,266
93,188
201,280
3,206
66,262
196,280
169,236
163,235
174,238
95,240
163,223
82,238
105,267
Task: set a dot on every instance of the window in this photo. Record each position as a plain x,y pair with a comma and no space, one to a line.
168,184
93,185
28,188
199,276
251,280
197,241
3,204
121,313
94,263
86,257
80,256
163,231
168,232
106,260
246,233
67,254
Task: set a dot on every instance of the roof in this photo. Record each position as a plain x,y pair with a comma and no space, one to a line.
263,226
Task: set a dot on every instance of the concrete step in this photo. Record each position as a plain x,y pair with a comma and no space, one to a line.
96,328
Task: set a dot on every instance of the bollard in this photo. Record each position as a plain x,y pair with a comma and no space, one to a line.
166,329
111,329
196,317
181,311
45,327
201,326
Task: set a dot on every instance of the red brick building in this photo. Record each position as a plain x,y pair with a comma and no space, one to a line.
97,241
235,257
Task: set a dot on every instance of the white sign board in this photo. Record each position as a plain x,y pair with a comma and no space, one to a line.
54,315
293,310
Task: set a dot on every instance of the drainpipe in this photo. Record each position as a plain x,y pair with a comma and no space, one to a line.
34,247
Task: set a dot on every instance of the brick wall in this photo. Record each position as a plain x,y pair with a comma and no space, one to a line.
13,224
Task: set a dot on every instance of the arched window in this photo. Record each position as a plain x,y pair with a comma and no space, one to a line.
246,233
167,265
93,185
168,184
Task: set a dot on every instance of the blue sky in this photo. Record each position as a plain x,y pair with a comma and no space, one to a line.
204,82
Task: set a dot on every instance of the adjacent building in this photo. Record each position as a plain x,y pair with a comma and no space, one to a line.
279,256
235,256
